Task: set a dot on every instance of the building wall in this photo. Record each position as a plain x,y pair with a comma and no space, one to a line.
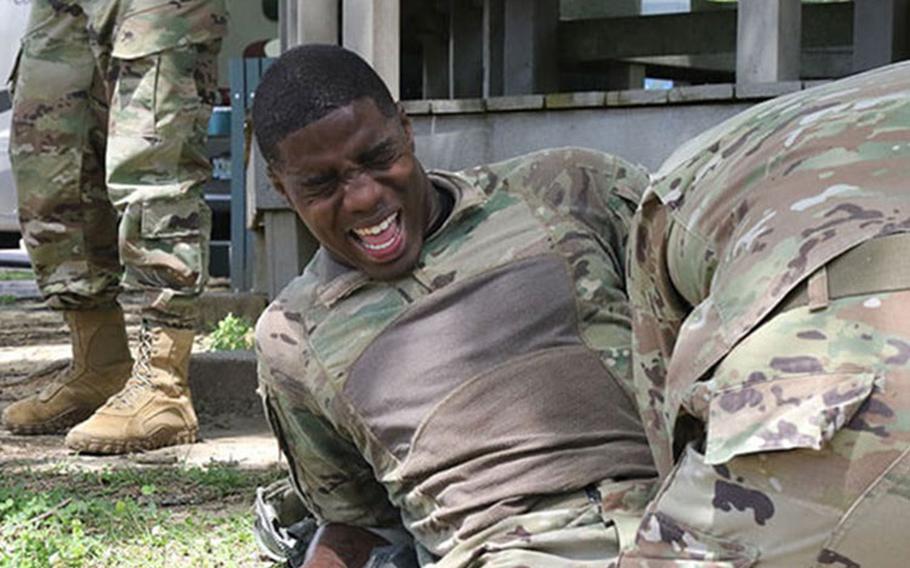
644,135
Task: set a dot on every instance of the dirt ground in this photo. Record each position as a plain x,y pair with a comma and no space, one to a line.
34,339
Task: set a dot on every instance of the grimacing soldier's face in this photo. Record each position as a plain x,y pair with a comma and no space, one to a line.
354,180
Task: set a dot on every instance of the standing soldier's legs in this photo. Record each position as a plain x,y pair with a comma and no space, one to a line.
805,459
156,166
68,223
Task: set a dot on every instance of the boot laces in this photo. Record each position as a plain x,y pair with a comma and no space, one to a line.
141,378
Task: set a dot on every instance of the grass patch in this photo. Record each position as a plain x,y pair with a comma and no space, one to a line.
130,517
6,299
16,275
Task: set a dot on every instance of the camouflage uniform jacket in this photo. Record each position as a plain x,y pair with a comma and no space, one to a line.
737,219
493,374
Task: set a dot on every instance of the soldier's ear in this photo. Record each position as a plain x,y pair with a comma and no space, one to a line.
406,125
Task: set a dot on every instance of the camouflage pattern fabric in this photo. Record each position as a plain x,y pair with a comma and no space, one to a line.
788,425
110,112
377,390
578,530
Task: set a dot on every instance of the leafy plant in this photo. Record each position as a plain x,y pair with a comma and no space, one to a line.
232,333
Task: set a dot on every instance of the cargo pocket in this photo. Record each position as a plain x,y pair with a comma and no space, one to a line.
801,411
183,218
874,530
729,507
178,229
682,526
162,244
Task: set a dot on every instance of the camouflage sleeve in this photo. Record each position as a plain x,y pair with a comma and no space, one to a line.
691,262
598,190
329,473
657,313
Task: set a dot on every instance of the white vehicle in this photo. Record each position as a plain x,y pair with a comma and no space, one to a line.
13,19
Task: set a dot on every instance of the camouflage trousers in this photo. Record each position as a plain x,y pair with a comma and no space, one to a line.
805,457
585,528
108,154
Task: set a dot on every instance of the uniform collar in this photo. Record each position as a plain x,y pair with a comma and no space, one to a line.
337,280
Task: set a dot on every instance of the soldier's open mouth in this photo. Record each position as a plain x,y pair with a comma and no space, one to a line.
382,241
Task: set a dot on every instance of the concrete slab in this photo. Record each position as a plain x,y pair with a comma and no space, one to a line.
700,93
517,102
224,383
766,90
457,106
416,107
576,100
634,97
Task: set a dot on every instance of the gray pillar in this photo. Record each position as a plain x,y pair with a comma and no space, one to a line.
371,28
622,76
466,51
768,41
530,47
307,21
880,29
287,23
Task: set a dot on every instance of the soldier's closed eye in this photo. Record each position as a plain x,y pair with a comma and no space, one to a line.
318,186
380,156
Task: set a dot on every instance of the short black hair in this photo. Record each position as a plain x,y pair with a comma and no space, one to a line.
306,83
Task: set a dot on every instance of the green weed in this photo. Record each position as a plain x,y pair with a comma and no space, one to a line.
231,333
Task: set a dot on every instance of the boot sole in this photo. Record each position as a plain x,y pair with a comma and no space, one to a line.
112,447
57,425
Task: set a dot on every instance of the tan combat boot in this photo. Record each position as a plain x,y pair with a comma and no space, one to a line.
100,367
154,409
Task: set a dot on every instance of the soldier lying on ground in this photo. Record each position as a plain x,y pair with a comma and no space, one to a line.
770,287
455,359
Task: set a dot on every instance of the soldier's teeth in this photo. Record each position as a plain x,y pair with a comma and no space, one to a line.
376,229
379,247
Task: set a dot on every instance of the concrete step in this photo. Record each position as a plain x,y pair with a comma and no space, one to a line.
224,383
